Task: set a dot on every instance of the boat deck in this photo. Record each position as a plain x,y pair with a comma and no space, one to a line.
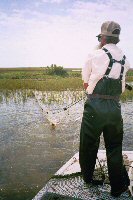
68,184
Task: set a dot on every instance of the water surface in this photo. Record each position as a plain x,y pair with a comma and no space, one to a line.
31,149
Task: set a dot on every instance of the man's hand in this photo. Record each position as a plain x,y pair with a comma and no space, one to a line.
85,85
128,87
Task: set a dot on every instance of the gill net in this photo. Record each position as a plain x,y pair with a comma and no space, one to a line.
63,110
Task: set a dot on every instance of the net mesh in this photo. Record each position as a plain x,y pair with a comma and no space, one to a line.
63,111
72,186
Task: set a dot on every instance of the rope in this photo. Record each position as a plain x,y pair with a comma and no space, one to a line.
72,104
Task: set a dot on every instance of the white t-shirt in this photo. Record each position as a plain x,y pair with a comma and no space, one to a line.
97,64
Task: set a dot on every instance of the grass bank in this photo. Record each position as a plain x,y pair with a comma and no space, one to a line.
55,84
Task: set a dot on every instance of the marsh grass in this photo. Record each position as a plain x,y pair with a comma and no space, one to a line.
24,75
61,84
127,95
42,85
51,97
129,78
37,79
41,73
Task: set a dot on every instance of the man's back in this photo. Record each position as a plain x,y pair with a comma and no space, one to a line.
97,64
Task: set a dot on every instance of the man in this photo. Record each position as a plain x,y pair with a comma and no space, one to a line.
104,81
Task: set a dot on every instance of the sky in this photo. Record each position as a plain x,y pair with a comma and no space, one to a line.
62,32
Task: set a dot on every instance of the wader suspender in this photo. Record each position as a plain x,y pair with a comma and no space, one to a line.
106,75
122,62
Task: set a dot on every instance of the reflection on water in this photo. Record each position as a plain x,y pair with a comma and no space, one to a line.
31,150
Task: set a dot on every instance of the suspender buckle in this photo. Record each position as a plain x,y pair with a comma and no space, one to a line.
113,60
106,76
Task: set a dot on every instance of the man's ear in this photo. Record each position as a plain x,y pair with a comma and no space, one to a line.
103,40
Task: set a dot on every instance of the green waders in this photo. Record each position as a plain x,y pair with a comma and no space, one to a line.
102,114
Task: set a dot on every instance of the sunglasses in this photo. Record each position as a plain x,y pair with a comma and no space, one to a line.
99,38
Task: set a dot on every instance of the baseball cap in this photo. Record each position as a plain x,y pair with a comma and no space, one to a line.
110,28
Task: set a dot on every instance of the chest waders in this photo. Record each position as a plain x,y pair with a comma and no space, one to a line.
102,114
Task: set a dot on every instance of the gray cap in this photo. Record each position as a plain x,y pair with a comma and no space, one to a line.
109,27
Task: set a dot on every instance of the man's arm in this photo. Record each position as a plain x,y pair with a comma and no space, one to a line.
128,87
86,72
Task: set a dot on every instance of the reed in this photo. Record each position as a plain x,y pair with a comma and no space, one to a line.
127,95
59,84
36,78
56,84
129,78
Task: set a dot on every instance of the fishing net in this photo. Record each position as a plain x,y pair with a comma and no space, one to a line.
64,185
57,105
63,111
72,187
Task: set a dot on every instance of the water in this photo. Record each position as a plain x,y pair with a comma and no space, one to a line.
31,148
